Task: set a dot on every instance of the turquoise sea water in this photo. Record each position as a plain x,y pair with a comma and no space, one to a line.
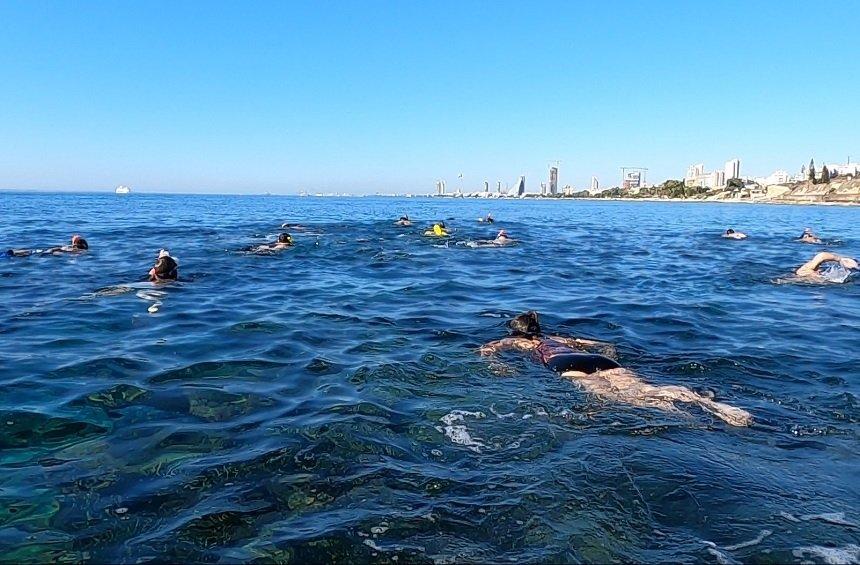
327,404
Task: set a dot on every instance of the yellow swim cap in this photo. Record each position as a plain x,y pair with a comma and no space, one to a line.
437,229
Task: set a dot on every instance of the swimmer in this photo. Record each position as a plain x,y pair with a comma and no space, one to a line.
732,234
404,221
601,375
284,241
503,239
77,245
488,220
839,268
808,237
166,268
438,230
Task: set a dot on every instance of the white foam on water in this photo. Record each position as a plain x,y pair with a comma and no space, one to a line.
370,543
830,555
721,557
500,416
836,518
755,541
789,517
458,433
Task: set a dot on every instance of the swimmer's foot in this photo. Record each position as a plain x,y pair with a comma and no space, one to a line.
729,414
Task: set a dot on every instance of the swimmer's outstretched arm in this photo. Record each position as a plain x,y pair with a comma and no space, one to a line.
810,267
506,344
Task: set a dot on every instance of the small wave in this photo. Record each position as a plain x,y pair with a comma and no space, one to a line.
830,555
836,518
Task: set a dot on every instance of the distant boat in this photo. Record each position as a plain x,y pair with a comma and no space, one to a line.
122,189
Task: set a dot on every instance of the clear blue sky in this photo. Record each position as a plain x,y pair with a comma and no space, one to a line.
390,96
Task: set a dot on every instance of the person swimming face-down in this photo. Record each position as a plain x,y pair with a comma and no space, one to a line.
600,374
166,268
77,245
808,237
732,234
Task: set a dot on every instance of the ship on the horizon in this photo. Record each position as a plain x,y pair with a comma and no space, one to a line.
122,189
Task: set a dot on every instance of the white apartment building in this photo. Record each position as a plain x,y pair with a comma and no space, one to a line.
698,176
776,177
733,169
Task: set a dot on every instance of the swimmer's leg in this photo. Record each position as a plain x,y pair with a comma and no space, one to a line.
574,374
729,414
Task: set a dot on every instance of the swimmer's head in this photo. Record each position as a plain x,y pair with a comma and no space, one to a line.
79,243
404,218
285,238
849,263
166,266
502,235
525,325
730,231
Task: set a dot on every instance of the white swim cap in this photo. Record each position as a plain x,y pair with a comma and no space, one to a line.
163,253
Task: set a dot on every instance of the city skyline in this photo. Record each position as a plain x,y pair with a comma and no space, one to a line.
292,97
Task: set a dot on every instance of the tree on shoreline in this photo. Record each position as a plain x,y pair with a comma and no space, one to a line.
811,176
825,175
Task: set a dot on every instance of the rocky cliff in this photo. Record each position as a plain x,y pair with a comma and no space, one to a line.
840,190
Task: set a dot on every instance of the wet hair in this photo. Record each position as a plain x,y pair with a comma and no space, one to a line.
404,218
525,325
441,224
730,231
80,243
285,238
166,268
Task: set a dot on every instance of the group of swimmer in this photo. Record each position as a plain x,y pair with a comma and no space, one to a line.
590,363
814,269
439,229
165,269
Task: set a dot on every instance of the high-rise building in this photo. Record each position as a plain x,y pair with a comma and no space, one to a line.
499,187
595,184
553,180
733,169
520,188
486,187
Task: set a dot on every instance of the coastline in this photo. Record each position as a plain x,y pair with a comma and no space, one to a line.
796,202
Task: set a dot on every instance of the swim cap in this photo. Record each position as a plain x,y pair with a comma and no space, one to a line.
730,231
526,324
502,233
437,229
285,238
163,253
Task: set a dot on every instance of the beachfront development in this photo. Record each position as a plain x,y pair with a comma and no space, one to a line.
830,183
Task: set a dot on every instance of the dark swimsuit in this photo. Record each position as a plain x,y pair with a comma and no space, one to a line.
559,357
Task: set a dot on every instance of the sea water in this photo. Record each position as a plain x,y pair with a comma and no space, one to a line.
327,403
